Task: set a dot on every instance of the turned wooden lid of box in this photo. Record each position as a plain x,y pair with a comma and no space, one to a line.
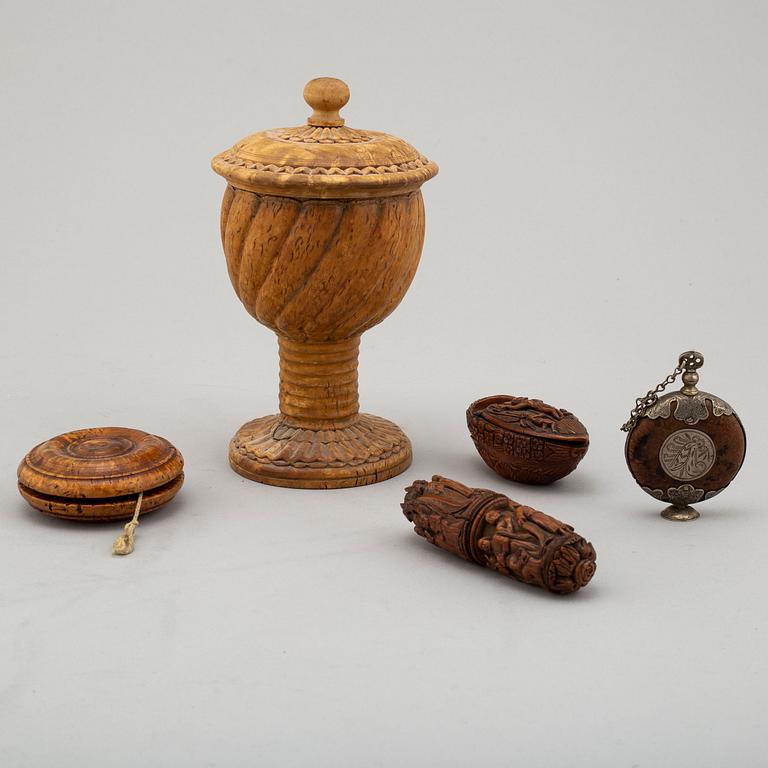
324,158
98,473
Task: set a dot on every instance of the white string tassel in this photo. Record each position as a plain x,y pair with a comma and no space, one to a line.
124,542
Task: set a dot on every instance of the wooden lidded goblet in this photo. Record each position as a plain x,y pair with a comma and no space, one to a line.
322,227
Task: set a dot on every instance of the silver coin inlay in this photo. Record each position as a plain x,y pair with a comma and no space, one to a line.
687,454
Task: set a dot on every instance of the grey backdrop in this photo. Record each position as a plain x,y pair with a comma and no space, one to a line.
601,206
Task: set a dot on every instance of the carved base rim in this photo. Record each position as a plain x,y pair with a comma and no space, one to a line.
680,514
272,451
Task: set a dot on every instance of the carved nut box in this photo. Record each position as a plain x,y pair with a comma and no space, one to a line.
322,227
98,473
526,440
490,529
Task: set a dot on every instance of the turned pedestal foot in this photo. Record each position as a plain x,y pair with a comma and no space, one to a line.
271,450
319,439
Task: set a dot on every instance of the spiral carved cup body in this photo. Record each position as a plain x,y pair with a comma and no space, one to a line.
321,270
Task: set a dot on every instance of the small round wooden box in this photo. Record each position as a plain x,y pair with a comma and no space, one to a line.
98,473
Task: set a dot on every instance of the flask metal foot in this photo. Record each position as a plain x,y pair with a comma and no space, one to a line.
682,514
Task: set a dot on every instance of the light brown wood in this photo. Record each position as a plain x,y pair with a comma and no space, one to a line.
324,158
98,473
322,227
117,508
326,96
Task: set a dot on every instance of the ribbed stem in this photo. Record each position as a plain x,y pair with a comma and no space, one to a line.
318,382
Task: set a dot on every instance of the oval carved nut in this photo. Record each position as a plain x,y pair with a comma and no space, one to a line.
491,530
526,440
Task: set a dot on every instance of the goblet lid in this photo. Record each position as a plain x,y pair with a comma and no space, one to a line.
324,158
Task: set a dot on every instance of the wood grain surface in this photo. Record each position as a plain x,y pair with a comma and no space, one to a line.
322,228
97,473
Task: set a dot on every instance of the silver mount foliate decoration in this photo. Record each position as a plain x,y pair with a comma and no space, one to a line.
688,408
686,446
684,494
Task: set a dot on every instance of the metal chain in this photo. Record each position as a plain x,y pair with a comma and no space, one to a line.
689,361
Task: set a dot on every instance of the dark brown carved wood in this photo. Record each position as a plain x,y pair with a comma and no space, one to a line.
490,529
526,440
687,449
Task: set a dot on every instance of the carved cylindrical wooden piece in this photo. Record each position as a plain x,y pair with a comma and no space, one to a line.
491,530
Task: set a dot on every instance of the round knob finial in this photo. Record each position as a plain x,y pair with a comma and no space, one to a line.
326,96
